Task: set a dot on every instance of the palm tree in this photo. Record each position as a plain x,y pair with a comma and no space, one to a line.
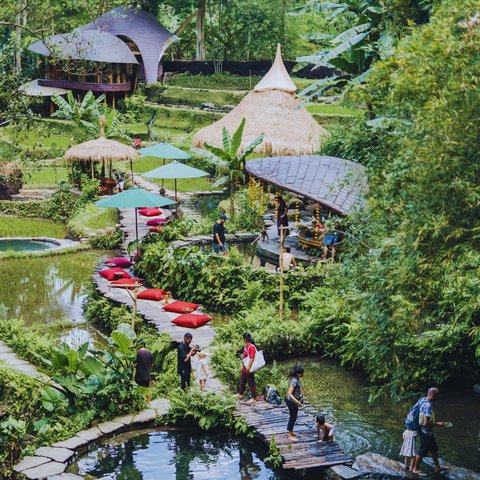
230,164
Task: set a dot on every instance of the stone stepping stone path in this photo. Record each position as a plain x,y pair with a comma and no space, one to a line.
50,462
9,359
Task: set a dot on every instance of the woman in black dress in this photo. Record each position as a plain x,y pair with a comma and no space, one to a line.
282,218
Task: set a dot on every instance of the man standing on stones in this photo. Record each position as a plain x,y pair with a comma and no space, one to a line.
427,421
219,241
185,354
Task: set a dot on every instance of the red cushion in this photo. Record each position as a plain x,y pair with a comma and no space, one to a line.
191,320
180,307
127,281
122,262
110,273
153,222
153,229
151,294
150,212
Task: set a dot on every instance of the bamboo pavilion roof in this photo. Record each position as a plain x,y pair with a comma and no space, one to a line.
335,183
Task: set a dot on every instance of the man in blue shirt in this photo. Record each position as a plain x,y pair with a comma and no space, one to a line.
427,440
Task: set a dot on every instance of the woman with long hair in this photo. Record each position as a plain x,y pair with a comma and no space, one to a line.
248,377
294,398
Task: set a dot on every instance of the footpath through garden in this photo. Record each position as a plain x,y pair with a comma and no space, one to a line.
266,419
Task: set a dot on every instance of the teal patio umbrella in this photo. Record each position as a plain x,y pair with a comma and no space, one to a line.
134,198
175,170
166,151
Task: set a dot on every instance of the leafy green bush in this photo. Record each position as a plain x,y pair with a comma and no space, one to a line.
107,241
99,311
206,409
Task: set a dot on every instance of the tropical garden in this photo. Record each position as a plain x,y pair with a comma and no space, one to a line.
399,311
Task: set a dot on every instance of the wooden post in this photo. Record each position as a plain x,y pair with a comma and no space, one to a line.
92,169
134,309
280,264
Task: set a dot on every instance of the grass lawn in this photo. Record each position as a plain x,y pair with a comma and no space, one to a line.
30,227
334,110
45,176
94,218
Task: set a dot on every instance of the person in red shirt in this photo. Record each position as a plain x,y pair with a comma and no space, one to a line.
248,377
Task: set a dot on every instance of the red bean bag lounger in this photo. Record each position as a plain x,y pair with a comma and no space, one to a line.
111,273
153,222
150,212
191,320
122,262
181,307
134,282
155,294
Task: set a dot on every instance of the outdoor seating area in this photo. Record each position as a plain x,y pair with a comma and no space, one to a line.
239,240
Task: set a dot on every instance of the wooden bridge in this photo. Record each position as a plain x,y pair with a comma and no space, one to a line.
269,420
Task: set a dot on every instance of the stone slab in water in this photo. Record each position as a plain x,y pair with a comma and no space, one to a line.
71,443
125,419
44,471
453,472
378,464
109,427
59,454
343,472
161,405
66,476
30,462
90,434
145,416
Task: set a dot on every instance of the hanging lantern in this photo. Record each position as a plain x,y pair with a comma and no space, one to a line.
277,194
297,211
317,217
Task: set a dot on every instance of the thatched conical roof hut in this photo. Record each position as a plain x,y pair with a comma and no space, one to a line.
272,109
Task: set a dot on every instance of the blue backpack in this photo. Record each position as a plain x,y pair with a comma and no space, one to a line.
271,395
412,422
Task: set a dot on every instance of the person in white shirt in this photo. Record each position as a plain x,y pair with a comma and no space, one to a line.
288,260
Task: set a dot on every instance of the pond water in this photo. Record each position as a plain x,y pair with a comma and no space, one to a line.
45,290
174,455
206,204
336,392
24,245
340,394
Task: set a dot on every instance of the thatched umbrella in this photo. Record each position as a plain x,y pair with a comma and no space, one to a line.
272,109
101,149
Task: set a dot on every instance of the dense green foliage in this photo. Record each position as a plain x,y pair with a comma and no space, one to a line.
221,284
416,287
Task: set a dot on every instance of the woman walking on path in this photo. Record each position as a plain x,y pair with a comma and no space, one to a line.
294,398
248,377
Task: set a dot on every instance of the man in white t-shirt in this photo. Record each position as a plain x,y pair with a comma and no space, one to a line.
288,260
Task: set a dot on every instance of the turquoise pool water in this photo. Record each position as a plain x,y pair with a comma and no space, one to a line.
7,245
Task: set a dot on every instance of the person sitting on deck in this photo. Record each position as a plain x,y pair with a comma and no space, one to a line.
288,260
325,431
219,240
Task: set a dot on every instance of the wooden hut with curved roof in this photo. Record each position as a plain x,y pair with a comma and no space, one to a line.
270,108
125,45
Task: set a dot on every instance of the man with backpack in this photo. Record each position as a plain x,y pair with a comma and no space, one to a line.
421,417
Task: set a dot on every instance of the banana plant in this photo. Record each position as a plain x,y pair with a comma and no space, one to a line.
231,163
352,51
82,113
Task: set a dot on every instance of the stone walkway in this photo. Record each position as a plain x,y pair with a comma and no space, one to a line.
50,462
9,359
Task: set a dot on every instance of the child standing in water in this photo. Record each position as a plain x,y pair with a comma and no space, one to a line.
202,370
325,431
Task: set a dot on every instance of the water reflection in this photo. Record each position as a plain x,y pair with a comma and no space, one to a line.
178,455
341,396
44,290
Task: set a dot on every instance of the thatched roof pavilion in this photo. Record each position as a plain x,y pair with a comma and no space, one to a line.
272,109
99,150
335,183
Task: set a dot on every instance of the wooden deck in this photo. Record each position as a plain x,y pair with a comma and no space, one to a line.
269,420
